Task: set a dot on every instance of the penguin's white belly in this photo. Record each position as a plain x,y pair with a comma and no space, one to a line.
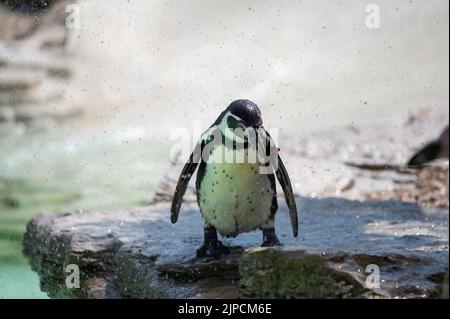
234,197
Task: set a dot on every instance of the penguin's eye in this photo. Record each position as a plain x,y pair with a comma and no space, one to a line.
232,122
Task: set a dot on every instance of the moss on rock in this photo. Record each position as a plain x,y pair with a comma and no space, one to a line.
281,273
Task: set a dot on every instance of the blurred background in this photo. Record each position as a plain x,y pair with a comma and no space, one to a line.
90,91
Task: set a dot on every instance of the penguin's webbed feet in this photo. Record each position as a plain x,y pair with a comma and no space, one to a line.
212,247
270,239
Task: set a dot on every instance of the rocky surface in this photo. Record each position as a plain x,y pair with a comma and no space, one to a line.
140,254
357,207
35,70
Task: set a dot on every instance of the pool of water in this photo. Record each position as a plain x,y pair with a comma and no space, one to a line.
48,172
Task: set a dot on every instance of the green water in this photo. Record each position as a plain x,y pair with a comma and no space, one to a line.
43,172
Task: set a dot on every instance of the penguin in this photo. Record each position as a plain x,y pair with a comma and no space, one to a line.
436,149
236,196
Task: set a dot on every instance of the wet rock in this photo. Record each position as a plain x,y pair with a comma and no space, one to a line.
351,245
294,273
37,112
36,70
15,26
140,254
19,80
445,287
36,95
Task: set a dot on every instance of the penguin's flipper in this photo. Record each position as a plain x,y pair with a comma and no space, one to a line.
183,182
283,179
427,154
285,182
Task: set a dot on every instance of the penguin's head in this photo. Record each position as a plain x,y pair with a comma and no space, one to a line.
241,114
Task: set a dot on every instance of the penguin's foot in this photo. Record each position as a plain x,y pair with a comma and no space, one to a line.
213,249
270,239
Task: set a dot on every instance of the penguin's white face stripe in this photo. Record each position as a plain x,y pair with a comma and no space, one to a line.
257,139
227,131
